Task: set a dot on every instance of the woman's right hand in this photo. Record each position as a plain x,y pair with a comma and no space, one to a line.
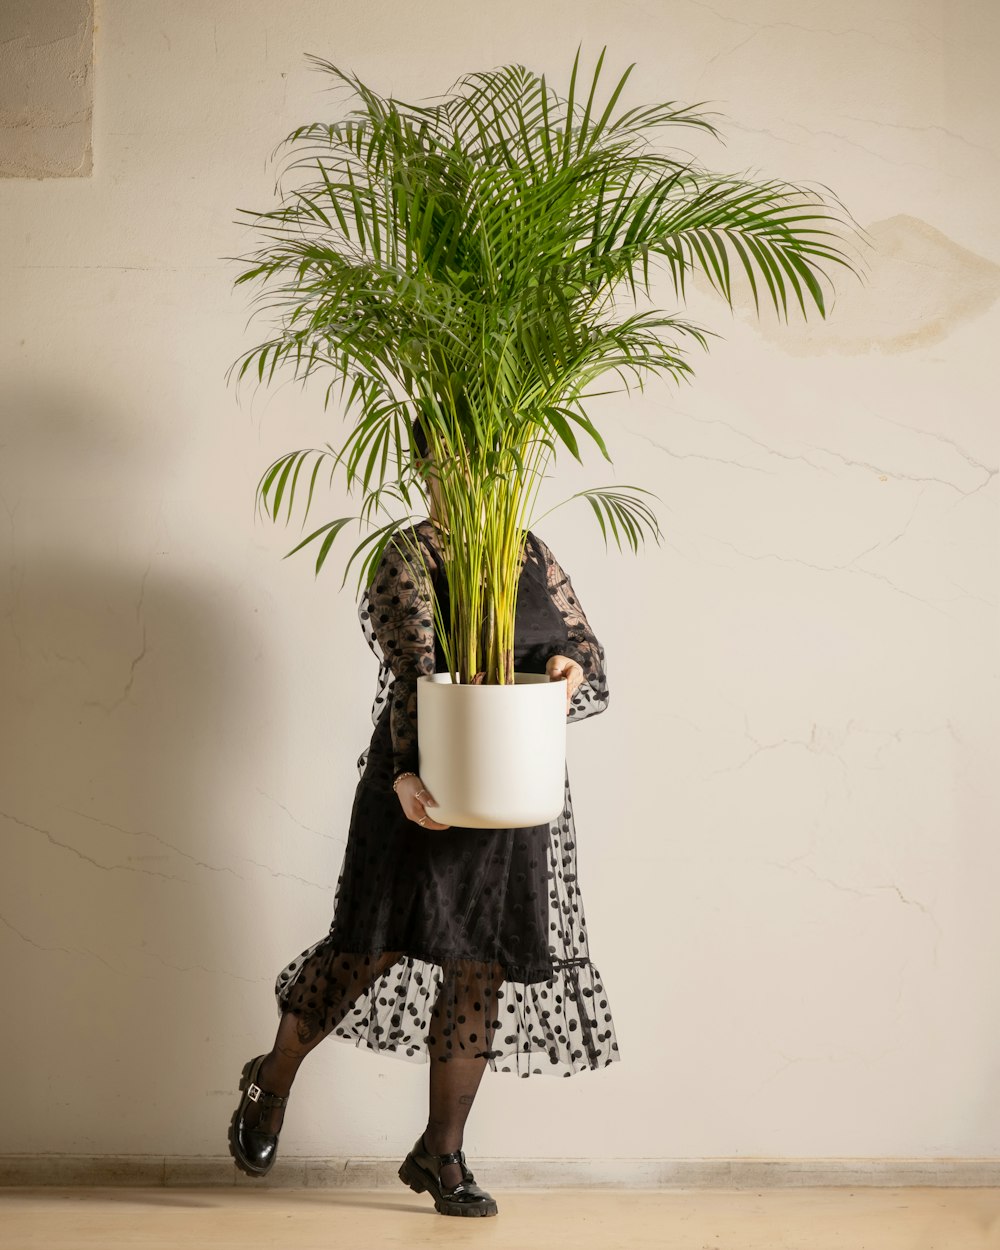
407,791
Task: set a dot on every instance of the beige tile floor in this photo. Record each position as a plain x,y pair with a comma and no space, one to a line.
165,1218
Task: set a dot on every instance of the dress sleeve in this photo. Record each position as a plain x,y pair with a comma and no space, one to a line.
591,696
402,619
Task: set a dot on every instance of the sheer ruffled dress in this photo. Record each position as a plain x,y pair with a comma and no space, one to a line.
458,942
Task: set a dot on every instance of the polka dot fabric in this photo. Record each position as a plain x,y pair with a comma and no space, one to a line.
458,942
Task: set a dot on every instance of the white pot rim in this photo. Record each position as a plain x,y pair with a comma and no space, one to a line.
520,681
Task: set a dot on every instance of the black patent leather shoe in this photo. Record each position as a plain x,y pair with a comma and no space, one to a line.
422,1170
253,1149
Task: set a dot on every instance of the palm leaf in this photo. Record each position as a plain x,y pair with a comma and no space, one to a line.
464,261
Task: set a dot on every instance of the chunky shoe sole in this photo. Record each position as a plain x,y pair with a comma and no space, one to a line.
412,1174
242,1162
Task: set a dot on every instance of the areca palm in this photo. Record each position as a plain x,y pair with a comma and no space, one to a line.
459,264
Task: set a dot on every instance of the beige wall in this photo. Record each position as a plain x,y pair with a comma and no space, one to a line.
788,814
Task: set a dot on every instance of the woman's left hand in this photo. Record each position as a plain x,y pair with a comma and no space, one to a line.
561,666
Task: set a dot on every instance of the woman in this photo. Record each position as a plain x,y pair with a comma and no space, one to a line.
458,947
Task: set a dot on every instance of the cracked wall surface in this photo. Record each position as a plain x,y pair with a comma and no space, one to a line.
46,88
788,815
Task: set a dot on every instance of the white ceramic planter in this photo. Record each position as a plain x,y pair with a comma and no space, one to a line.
494,757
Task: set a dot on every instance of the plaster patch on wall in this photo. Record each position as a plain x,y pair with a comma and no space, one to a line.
46,88
916,286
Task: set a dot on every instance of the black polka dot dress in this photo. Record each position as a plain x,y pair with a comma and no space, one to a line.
457,942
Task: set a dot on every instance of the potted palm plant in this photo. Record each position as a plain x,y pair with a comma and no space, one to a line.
456,264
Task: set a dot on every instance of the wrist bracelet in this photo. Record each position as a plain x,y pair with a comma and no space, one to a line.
400,778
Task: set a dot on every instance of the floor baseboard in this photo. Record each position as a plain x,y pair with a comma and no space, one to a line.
377,1173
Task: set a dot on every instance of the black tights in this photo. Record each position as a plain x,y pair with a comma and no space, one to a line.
463,1019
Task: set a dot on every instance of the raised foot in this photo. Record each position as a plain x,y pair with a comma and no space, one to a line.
253,1138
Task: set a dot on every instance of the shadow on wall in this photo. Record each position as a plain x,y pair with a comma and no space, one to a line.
129,729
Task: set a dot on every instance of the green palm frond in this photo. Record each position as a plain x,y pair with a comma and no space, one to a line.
615,508
462,262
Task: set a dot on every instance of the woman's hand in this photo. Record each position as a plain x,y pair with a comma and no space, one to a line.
561,666
415,798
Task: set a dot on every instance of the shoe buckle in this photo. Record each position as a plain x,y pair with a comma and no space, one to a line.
254,1092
